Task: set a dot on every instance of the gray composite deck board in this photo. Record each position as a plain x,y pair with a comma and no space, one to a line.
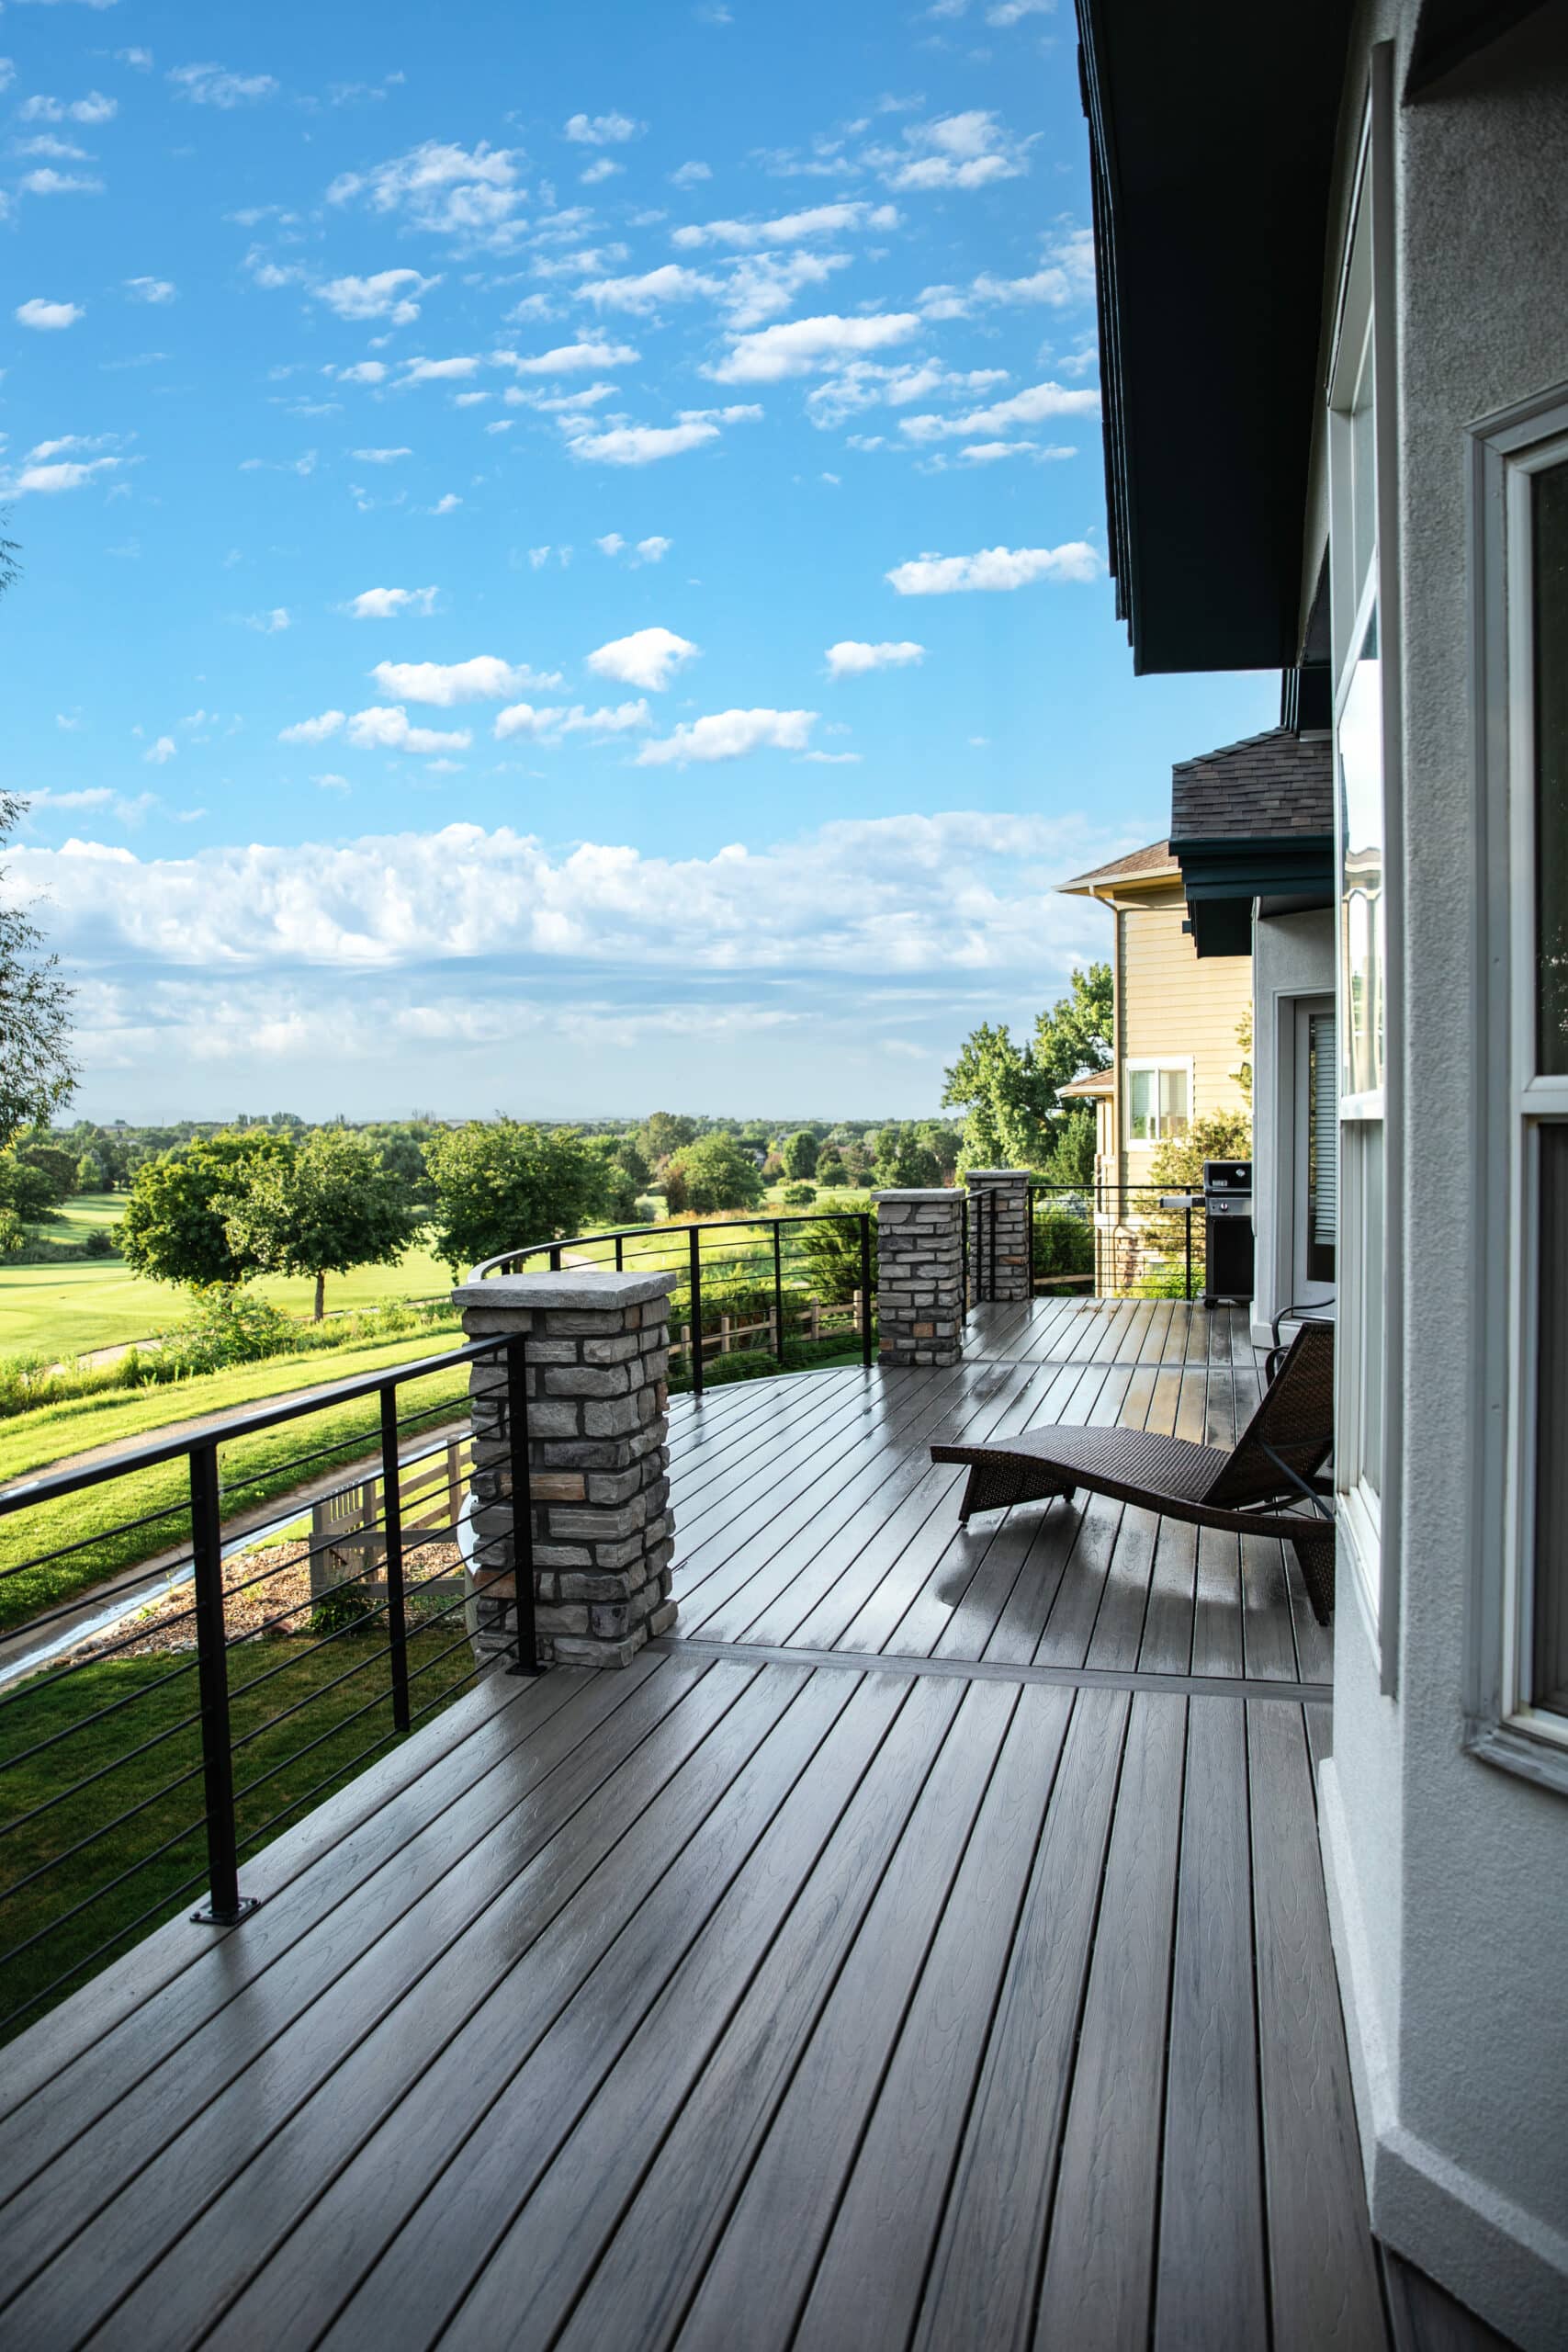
948,1968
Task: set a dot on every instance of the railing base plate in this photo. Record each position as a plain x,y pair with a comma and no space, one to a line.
210,1918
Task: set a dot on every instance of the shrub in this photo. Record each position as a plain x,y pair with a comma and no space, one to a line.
832,1250
12,1236
798,1196
1064,1244
99,1243
225,1327
348,1604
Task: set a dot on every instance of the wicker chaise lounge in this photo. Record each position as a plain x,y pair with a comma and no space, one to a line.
1275,1464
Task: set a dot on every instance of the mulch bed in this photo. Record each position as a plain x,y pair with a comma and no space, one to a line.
275,1601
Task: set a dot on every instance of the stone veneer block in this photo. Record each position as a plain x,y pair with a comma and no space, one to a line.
596,1349
1000,1241
919,1277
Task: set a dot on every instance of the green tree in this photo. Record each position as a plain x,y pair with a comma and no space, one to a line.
904,1162
1071,1157
831,1248
90,1176
800,1155
717,1174
24,1190
618,1188
329,1205
174,1227
52,1161
37,1073
499,1183
12,1238
663,1132
1008,1092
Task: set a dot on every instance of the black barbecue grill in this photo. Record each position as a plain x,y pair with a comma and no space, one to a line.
1227,1232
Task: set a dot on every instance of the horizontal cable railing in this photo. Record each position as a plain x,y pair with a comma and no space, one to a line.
1113,1241
239,1681
751,1293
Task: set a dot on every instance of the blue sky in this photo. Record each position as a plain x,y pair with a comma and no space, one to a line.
564,549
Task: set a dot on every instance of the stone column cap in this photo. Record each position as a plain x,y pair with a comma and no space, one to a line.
925,1192
998,1174
579,1289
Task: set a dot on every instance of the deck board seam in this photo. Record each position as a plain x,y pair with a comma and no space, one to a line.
1077,1678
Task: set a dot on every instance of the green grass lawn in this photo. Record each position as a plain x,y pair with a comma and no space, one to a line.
253,1468
165,1783
71,1309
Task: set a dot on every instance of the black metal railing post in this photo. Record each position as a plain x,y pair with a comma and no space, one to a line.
392,1536
865,1295
964,1245
620,1253
522,1510
555,1257
778,1290
694,1261
991,1207
225,1904
1189,1238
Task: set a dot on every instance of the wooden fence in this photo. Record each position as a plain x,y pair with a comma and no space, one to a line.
811,1320
348,1529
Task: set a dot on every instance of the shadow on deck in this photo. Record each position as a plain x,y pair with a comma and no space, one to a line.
925,1947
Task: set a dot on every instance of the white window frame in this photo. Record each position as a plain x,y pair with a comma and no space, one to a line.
1156,1061
1364,333
1513,1102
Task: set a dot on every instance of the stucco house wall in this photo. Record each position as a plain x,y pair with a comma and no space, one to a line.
1447,1873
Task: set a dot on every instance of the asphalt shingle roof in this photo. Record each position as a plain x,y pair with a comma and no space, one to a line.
1271,785
1156,859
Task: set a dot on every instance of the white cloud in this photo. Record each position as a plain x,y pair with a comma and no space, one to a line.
690,174
650,658
388,604
445,504
1031,407
604,169
382,730
483,678
150,289
850,658
1065,276
957,150
642,445
670,283
729,735
447,190
271,624
48,479
139,60
440,371
601,129
570,359
796,347
949,575
1013,12
392,294
214,86
364,371
834,759
818,220
47,181
761,284
312,730
551,724
862,383
63,151
49,318
611,544
94,108
654,550
160,752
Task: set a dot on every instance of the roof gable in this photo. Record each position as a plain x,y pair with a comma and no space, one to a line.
1269,786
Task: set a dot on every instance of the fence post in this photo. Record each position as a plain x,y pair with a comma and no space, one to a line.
865,1287
570,1525
392,1534
521,1485
225,1904
919,1277
694,1261
778,1291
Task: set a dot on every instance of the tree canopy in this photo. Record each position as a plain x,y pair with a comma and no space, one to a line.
715,1175
800,1155
500,1185
323,1207
37,1075
176,1224
1009,1092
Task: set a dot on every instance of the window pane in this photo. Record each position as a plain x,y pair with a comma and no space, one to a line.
1550,1664
1363,474
1173,1101
1140,1090
1550,503
1361,862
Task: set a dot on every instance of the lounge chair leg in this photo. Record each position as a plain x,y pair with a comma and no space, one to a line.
1315,1553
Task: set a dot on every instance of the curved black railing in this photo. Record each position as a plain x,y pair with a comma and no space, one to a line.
791,1287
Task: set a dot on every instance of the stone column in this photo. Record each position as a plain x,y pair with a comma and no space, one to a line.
597,1351
919,1277
1002,1270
